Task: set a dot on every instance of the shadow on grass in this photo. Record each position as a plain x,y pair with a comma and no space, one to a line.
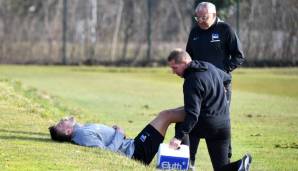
13,137
23,132
21,135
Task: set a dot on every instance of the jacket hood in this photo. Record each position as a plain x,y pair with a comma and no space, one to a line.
196,66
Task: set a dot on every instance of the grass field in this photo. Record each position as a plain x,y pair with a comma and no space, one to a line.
264,114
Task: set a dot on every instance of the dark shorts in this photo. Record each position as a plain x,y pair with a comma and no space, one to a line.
147,144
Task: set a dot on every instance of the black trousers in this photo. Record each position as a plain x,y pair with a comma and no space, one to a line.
213,148
218,144
228,88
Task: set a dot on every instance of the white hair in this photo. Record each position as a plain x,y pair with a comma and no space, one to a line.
210,6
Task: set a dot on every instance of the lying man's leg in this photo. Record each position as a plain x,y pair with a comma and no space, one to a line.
192,140
166,117
149,139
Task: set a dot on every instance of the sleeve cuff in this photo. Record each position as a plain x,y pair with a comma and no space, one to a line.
179,136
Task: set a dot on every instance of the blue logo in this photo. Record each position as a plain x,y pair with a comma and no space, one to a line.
143,138
196,38
173,163
215,37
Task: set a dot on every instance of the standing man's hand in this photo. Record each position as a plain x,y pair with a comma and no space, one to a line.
175,143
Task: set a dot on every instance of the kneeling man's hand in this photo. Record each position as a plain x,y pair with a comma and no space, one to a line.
175,143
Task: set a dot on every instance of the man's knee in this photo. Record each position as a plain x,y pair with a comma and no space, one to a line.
165,115
172,115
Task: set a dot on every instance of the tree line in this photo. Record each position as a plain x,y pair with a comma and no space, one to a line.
137,33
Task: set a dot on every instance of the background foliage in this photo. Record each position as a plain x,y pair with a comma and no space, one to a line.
131,32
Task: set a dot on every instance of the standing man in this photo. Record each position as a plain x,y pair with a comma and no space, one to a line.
213,41
206,108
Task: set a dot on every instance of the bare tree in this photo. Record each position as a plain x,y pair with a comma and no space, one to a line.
129,28
149,29
116,31
132,32
183,25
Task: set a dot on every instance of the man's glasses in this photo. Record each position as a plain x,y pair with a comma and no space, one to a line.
201,18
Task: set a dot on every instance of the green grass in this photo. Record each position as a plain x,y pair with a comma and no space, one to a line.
264,114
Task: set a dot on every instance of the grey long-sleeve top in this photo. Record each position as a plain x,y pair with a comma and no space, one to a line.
104,137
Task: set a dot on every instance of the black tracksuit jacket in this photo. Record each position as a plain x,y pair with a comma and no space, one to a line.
205,102
218,45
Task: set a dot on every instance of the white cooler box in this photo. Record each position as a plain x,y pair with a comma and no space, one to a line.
169,159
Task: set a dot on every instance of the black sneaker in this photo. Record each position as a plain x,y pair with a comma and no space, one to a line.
245,163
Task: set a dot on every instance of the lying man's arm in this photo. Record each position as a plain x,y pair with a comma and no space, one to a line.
117,140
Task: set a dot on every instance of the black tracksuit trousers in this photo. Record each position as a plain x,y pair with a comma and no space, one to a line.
218,145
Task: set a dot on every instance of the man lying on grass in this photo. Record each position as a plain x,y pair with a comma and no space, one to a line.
142,148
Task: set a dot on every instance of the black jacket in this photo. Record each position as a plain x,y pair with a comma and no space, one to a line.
204,97
218,45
